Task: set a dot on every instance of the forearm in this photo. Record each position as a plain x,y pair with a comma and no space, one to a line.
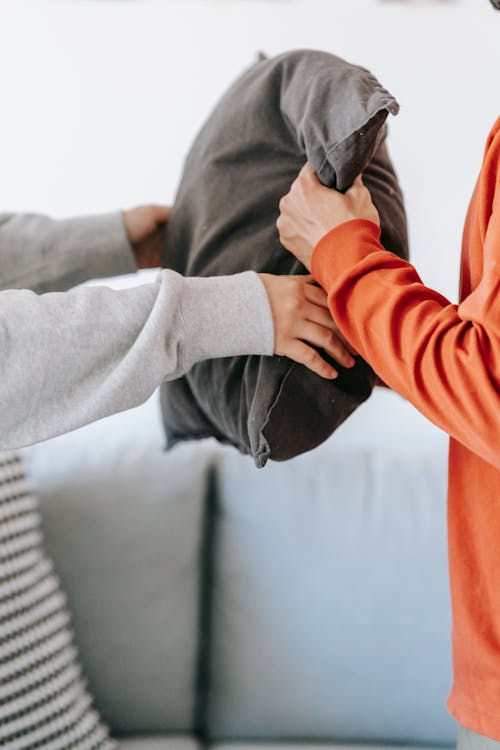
443,358
43,254
71,358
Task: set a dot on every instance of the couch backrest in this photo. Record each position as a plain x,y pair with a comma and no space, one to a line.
124,523
330,614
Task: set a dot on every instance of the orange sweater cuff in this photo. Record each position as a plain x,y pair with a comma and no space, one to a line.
342,248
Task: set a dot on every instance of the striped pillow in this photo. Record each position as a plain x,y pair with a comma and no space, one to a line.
43,699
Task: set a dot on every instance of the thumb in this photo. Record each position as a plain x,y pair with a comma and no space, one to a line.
358,183
308,173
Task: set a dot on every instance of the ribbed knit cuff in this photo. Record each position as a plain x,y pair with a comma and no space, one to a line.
226,316
342,248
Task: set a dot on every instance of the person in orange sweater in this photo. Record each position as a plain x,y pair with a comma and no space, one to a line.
445,359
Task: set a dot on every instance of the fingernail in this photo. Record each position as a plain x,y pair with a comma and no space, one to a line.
350,362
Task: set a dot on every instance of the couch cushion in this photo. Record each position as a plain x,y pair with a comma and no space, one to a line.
123,523
158,743
330,611
316,746
302,104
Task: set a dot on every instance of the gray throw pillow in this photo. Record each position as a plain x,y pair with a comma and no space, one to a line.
300,105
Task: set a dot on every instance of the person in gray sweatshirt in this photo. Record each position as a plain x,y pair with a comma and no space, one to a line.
72,357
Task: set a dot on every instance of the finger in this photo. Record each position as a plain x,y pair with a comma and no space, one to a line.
311,290
282,204
319,312
331,326
305,355
322,316
161,213
328,340
316,295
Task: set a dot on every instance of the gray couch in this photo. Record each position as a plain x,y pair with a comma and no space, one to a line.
215,603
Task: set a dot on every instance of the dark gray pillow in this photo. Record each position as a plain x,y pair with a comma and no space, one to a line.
301,104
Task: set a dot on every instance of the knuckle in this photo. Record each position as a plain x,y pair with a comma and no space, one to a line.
300,301
312,358
322,368
290,305
295,307
295,290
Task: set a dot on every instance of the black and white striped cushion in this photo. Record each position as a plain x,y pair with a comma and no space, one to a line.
43,699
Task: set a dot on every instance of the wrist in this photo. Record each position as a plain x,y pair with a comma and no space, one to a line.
343,247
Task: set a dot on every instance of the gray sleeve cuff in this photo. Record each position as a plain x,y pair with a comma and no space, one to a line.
226,316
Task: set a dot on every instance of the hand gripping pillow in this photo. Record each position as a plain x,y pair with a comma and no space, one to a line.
297,106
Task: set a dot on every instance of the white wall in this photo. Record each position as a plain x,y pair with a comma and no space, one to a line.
101,98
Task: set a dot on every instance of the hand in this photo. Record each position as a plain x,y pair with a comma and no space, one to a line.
310,210
300,313
146,229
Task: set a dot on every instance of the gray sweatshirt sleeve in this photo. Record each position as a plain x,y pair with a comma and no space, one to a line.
44,254
70,358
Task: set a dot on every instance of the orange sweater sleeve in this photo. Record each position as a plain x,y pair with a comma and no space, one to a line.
444,358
